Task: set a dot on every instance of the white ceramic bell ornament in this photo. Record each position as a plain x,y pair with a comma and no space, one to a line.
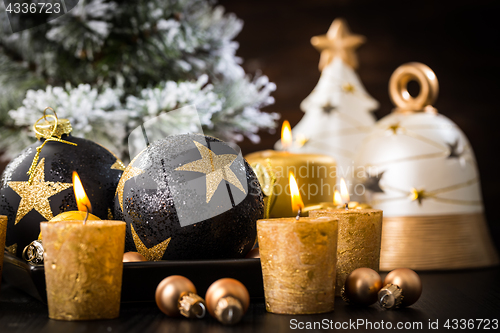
419,168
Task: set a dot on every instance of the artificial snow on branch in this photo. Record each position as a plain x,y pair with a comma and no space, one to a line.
110,65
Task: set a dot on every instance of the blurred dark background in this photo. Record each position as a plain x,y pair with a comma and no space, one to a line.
459,40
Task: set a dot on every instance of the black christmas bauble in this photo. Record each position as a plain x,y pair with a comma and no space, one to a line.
189,197
51,190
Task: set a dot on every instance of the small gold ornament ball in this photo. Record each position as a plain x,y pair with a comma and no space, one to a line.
254,253
362,286
169,291
408,281
133,256
227,288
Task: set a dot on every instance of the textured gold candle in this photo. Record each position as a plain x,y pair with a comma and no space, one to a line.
360,232
83,268
298,264
3,231
315,173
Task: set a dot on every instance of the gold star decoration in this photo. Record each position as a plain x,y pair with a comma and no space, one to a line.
130,172
216,168
338,42
118,165
154,253
12,249
348,88
394,128
36,195
418,195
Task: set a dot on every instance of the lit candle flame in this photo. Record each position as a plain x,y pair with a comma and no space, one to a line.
82,200
337,199
286,135
297,202
344,193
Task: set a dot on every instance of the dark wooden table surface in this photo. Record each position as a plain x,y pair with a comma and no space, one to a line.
473,294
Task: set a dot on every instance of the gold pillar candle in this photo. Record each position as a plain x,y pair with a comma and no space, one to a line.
3,232
83,268
73,215
360,232
315,173
83,203
298,264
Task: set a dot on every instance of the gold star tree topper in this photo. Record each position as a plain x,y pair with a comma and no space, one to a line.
338,42
216,168
36,195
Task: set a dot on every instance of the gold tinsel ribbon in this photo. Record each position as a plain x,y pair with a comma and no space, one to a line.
52,135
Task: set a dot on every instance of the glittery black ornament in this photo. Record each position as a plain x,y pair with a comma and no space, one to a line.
51,190
189,197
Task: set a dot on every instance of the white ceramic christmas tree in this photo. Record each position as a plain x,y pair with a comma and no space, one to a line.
338,111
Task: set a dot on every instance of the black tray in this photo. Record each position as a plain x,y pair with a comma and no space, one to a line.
140,279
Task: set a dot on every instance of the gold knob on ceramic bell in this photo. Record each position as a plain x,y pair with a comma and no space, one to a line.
398,88
227,300
176,295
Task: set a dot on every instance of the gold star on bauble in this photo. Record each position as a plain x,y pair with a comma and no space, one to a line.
36,195
130,172
154,253
338,42
216,168
118,165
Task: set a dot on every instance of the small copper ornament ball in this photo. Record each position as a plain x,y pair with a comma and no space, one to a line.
362,286
133,256
227,294
408,281
169,291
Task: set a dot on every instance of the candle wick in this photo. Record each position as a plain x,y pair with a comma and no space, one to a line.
346,206
86,215
298,214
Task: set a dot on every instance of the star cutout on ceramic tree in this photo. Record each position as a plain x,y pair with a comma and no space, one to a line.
36,195
328,108
154,253
215,167
338,42
372,183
